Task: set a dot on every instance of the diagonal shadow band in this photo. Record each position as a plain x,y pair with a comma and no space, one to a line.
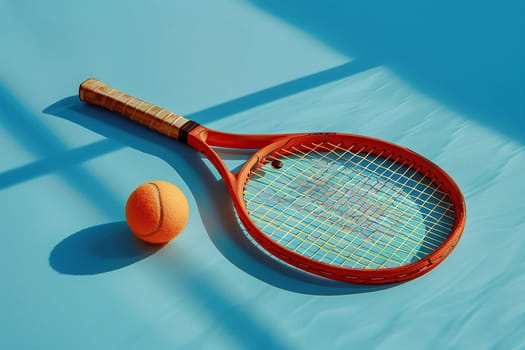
36,138
57,162
281,91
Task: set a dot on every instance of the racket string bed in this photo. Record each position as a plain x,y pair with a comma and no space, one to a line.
337,200
366,211
389,229
299,223
341,202
397,182
303,185
341,218
301,195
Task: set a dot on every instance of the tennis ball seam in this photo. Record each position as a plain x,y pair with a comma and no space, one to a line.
161,210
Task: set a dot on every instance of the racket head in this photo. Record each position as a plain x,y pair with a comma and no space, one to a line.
348,207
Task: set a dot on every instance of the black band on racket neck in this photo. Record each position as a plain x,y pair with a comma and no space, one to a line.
186,129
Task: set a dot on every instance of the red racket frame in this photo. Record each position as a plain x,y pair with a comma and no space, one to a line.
203,139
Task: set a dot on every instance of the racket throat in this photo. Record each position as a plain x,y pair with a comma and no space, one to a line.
197,139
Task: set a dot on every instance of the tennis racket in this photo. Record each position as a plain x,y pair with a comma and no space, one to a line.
345,207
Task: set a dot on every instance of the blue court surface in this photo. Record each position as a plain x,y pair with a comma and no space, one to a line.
444,78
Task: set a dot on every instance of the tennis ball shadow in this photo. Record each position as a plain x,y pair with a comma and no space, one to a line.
99,249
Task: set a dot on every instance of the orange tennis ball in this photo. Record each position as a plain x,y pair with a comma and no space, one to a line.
157,211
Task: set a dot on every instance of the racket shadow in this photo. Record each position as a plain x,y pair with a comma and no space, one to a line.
213,202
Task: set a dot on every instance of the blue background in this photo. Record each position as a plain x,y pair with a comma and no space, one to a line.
446,79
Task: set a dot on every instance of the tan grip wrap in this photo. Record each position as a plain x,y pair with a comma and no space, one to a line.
97,93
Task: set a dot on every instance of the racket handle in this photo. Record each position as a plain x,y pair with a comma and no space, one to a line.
159,119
